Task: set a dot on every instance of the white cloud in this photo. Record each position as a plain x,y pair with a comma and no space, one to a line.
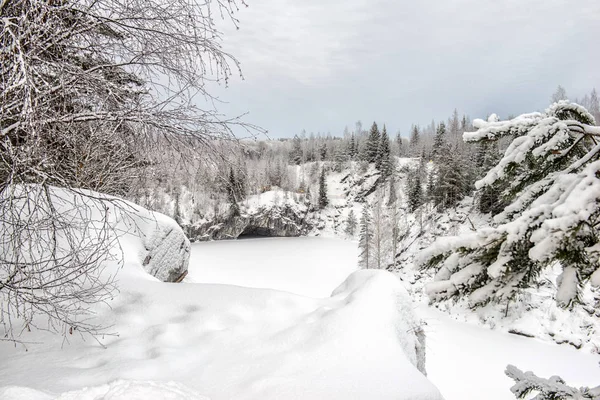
367,59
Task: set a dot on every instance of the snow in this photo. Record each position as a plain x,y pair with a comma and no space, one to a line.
262,319
466,361
116,390
276,196
258,263
226,341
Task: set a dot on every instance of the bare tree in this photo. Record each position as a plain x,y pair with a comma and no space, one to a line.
86,88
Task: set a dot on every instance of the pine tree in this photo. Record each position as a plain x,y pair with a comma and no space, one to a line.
430,189
551,180
489,198
439,141
323,151
352,148
323,200
365,238
296,152
351,224
552,388
340,157
384,159
400,145
415,187
450,183
454,126
372,147
415,139
234,208
464,124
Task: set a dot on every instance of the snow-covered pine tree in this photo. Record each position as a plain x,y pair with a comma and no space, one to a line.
311,148
430,187
551,173
234,208
450,180
372,146
400,145
340,157
439,142
384,159
454,127
415,187
296,152
323,200
415,139
488,197
552,388
352,149
351,224
323,151
464,123
365,238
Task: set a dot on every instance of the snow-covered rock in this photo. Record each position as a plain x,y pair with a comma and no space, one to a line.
167,252
112,228
275,213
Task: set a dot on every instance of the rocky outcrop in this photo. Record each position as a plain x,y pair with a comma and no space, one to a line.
270,220
167,253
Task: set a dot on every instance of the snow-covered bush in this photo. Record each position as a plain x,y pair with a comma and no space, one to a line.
550,175
552,388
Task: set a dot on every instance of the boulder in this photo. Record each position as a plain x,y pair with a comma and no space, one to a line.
167,253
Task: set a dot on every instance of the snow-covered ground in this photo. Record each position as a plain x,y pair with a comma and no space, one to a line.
308,266
465,361
212,338
185,341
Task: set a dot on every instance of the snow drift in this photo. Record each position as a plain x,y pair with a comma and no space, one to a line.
229,342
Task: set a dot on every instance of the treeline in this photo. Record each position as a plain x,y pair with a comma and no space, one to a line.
447,167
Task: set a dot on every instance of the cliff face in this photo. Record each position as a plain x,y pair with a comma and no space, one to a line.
269,219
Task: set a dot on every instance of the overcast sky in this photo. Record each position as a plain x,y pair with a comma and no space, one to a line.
320,65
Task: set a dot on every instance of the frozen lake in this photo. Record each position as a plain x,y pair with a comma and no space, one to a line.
308,266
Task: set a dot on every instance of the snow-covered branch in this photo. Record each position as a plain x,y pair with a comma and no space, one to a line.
549,177
527,383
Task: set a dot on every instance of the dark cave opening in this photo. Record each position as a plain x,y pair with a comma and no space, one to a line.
257,232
